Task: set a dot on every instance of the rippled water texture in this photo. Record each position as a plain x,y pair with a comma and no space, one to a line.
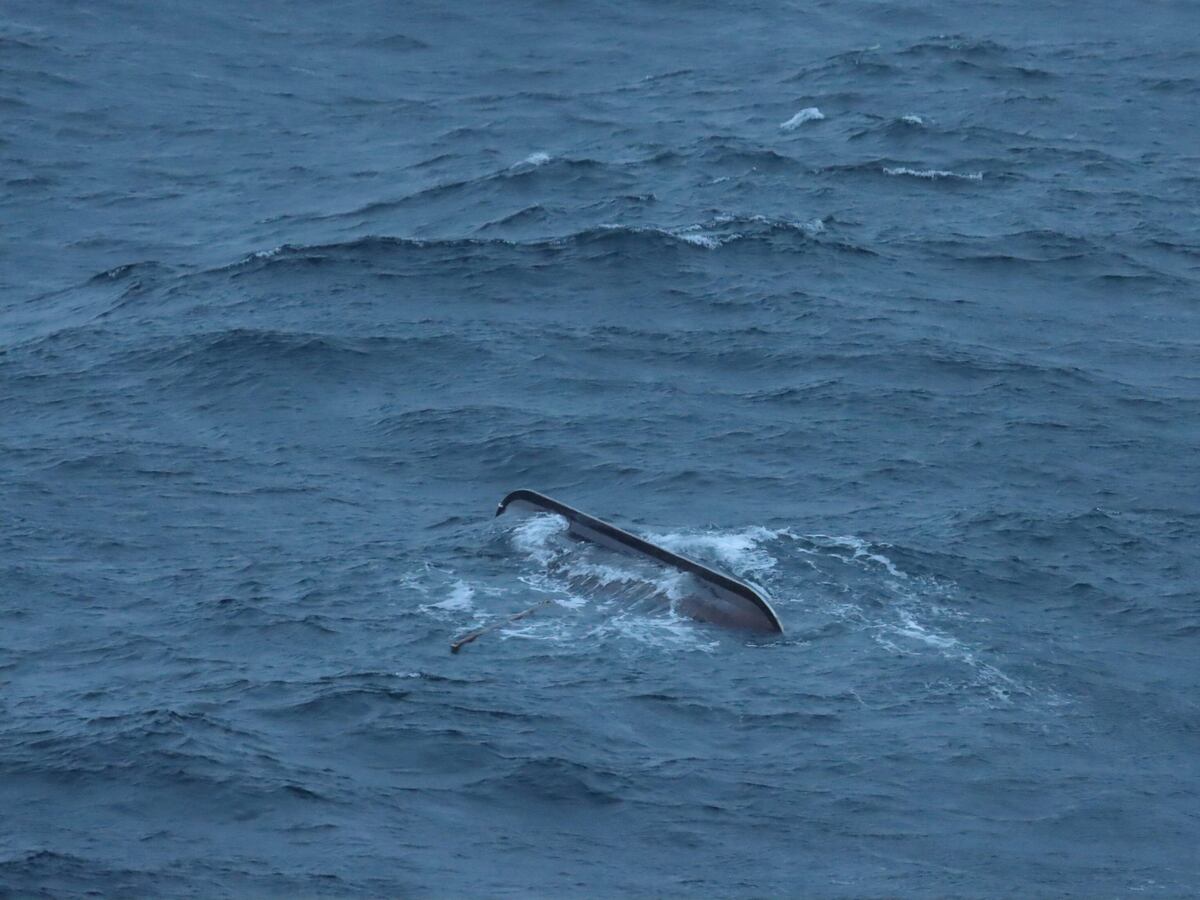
890,308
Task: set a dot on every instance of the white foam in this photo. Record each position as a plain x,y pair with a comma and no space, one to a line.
707,241
535,160
461,597
909,627
552,630
633,601
705,236
604,574
999,686
912,120
584,578
697,236
535,537
932,174
675,585
738,550
666,631
689,234
601,575
571,601
857,546
808,114
812,227
662,632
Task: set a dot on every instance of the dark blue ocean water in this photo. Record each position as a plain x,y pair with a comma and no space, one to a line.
892,308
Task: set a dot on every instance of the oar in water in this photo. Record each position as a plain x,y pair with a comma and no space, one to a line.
455,646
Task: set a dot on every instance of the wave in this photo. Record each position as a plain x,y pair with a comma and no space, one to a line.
906,128
741,552
47,873
461,601
859,549
906,613
809,114
285,361
666,76
395,42
533,160
1187,84
542,170
932,174
887,168
46,316
555,783
724,151
709,235
956,46
727,229
12,43
526,216
986,58
535,166
1032,245
958,56
853,64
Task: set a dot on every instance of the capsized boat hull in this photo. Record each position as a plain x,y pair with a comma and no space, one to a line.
711,596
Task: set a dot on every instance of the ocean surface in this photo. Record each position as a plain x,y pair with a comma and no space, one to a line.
892,308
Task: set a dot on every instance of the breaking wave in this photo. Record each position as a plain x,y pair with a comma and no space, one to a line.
932,174
810,114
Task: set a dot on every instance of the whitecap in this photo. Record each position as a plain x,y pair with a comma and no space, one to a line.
910,119
707,241
808,114
535,160
932,174
689,234
698,237
811,228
